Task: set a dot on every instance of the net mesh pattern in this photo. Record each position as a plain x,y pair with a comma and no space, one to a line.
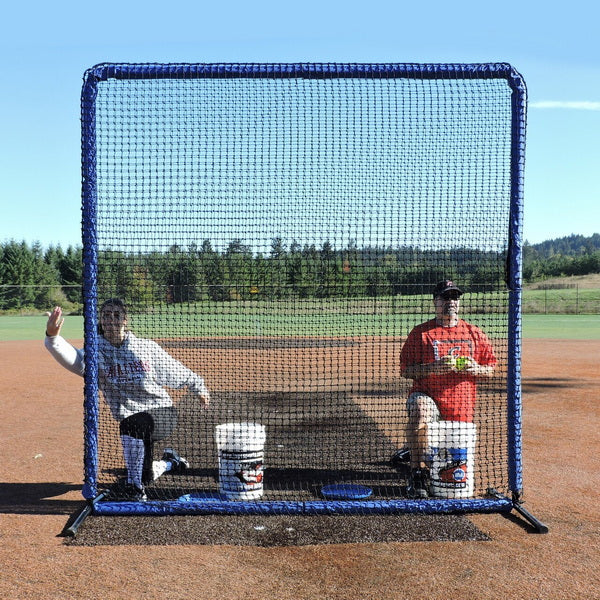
280,237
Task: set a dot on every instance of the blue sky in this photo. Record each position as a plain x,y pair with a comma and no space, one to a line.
47,47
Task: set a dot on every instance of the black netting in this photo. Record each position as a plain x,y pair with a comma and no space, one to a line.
280,236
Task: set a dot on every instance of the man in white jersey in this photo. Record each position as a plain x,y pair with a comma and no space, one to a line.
132,374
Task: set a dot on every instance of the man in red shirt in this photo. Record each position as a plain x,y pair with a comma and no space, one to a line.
444,357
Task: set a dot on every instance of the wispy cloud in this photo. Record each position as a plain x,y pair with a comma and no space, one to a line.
580,105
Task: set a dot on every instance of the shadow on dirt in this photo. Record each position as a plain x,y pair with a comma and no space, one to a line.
543,384
38,498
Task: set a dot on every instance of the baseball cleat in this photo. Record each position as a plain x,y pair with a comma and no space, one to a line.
129,492
400,458
178,463
418,484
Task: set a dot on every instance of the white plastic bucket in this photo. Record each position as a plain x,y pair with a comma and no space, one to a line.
452,456
241,454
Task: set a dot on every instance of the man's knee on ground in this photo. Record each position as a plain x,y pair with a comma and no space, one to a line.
422,409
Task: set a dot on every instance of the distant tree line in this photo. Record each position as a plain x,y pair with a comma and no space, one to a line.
572,245
202,273
571,255
33,277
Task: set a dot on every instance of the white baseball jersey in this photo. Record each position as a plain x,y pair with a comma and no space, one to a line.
131,376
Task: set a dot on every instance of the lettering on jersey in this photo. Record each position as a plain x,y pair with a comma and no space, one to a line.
128,370
454,348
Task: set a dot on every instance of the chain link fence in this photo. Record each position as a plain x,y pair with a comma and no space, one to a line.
543,299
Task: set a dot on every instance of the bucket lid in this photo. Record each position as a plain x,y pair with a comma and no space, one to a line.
234,434
202,497
244,428
345,491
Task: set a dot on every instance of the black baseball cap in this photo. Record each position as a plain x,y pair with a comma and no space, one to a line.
446,286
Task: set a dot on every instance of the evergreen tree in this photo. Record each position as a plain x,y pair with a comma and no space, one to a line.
214,272
70,272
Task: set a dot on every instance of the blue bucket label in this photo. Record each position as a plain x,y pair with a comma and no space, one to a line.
450,467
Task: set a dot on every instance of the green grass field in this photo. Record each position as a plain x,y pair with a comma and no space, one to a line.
574,327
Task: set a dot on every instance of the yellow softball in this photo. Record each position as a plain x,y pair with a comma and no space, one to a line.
462,362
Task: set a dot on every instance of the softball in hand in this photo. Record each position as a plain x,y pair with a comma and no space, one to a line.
461,363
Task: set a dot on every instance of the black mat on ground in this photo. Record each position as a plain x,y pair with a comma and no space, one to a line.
313,439
273,530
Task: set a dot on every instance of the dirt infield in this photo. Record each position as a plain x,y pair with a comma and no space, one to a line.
40,480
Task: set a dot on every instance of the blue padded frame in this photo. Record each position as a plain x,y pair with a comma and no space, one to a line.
316,507
514,282
105,71
90,272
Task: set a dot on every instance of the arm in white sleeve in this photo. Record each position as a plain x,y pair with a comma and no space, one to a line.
174,374
66,355
198,386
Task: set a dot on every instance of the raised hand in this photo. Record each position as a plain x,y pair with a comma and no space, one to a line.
55,321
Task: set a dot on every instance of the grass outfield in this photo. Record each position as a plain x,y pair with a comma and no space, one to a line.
562,327
572,327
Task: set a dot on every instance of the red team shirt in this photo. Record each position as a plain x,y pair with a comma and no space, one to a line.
455,393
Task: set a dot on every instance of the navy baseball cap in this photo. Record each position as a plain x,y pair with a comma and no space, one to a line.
446,286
